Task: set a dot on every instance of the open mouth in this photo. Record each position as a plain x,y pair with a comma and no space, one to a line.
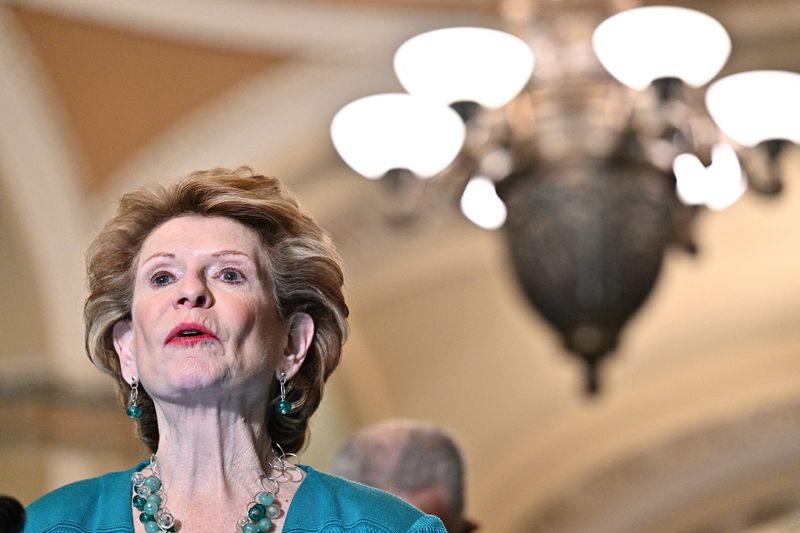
189,334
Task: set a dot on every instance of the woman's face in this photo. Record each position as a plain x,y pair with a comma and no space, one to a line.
203,318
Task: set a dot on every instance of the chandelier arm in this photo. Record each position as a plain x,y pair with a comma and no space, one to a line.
405,193
592,373
763,166
775,149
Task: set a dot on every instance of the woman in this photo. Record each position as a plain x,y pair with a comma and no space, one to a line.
217,306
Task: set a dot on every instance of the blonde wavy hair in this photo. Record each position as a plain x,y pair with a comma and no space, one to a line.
306,277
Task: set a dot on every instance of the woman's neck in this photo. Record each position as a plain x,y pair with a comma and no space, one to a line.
210,447
211,461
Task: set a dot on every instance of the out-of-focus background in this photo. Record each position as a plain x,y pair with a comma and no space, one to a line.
698,426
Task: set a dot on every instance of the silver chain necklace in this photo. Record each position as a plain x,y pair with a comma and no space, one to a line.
150,498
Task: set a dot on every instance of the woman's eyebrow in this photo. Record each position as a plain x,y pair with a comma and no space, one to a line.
230,252
159,254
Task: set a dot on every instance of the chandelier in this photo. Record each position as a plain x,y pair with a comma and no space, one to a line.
589,133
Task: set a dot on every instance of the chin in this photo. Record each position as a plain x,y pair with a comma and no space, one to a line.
194,376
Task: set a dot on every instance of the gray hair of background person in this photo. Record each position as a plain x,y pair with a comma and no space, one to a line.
404,455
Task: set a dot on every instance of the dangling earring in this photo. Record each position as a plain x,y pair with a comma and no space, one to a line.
134,410
283,406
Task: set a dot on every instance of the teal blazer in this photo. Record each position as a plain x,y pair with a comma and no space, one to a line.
322,504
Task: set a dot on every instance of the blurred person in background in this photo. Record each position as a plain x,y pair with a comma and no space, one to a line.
417,461
216,305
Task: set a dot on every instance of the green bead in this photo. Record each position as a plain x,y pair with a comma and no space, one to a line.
257,512
284,407
151,508
264,525
265,498
249,528
152,527
139,502
144,517
153,482
134,411
154,498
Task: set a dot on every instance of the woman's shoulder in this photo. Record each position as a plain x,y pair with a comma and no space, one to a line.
331,504
100,503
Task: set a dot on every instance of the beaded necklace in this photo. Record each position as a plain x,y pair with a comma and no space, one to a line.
150,497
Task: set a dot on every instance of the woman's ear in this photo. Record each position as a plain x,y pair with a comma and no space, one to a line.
123,345
301,334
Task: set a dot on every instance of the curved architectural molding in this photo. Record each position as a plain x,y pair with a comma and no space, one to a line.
727,477
40,171
262,123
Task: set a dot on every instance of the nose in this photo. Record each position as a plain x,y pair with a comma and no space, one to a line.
193,292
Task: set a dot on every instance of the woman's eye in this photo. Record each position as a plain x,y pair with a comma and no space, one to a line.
230,275
161,278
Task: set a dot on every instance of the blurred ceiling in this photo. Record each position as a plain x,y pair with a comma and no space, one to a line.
98,97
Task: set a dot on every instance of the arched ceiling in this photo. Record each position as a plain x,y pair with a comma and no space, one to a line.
120,88
98,97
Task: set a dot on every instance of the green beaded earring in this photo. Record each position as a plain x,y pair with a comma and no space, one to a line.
283,406
134,410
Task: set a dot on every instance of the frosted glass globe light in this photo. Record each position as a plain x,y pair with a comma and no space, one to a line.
481,65
756,106
717,186
644,44
728,181
690,175
379,133
481,205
